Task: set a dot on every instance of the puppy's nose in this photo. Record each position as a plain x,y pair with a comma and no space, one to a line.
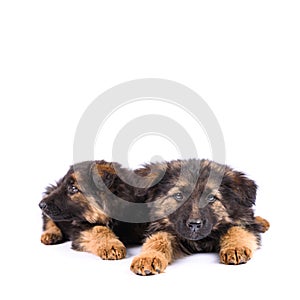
42,205
194,224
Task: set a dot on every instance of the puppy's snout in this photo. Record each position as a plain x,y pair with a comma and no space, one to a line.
42,205
195,224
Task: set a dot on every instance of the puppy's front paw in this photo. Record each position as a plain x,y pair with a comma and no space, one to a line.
235,255
112,249
51,238
148,263
264,224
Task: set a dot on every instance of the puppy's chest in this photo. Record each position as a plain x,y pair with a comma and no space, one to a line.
204,245
71,229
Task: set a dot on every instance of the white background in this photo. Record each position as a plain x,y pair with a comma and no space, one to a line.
241,57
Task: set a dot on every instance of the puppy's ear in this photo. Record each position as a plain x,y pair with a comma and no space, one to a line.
103,174
148,176
242,188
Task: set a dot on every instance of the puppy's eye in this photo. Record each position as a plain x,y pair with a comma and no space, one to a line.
211,198
178,196
72,189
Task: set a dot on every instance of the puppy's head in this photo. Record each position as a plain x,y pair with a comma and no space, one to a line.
74,196
205,196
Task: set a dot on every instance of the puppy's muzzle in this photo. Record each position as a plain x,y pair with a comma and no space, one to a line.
50,209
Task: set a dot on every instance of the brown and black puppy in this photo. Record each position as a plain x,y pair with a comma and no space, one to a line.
207,207
78,209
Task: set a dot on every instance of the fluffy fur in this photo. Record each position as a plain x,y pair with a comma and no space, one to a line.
207,208
78,209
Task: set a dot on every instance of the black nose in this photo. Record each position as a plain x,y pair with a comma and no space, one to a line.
42,205
194,224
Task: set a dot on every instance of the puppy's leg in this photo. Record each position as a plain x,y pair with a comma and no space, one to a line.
100,241
157,253
237,246
52,234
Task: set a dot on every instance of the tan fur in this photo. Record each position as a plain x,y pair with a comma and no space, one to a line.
93,212
165,206
108,167
157,253
237,246
263,222
199,221
220,213
52,234
102,242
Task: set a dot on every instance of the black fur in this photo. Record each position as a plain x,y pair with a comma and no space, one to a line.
236,193
93,191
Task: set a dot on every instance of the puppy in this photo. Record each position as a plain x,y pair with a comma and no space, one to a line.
78,209
207,207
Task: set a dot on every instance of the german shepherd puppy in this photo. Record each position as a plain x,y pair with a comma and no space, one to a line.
207,207
79,209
